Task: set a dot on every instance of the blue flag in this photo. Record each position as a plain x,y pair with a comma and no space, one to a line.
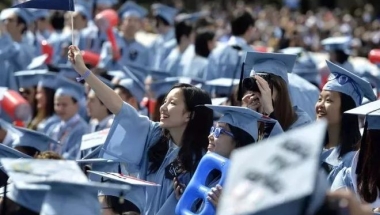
65,5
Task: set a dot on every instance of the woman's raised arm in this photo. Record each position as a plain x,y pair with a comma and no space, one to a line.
109,98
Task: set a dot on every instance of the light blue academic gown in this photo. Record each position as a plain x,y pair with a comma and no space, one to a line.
303,94
131,52
161,48
176,61
195,67
14,57
45,125
224,61
98,126
69,134
130,137
303,118
57,40
331,157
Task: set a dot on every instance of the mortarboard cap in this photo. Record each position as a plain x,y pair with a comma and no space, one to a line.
307,69
272,185
165,12
82,9
30,78
222,82
70,88
338,43
8,152
33,139
292,50
38,62
136,88
49,80
28,196
343,81
70,191
244,118
272,63
371,111
130,8
137,70
24,14
106,3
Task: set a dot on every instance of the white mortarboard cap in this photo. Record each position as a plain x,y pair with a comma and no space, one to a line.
49,80
371,111
165,12
130,8
283,180
338,43
343,81
272,63
245,119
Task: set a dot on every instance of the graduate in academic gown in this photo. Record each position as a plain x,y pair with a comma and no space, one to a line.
135,140
361,173
236,128
15,52
100,117
165,42
131,51
269,72
71,127
304,80
82,17
342,92
225,60
46,84
8,133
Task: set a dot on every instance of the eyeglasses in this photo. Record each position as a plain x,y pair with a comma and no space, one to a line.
343,79
216,131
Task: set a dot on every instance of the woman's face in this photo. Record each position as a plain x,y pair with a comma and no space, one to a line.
221,141
173,113
41,98
328,107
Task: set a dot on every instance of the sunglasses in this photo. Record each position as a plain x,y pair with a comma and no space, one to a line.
216,132
343,79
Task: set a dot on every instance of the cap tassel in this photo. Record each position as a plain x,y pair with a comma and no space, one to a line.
121,198
119,169
240,90
363,150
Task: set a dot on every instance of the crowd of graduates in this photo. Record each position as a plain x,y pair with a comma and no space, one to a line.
115,122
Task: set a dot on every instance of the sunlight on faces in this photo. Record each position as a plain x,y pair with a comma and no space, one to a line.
65,107
41,98
173,113
222,145
328,106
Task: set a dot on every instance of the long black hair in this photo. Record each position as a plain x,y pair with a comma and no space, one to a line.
349,134
195,137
